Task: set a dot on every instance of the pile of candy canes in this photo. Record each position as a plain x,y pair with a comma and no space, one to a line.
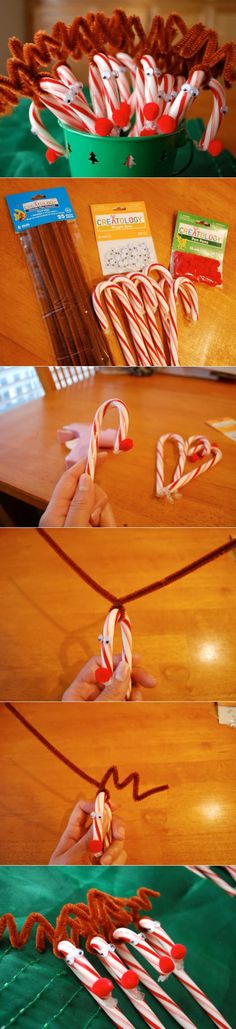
141,307
165,957
125,98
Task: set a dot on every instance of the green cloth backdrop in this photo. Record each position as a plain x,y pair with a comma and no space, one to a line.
22,154
38,991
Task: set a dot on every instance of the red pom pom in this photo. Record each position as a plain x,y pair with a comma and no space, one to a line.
102,988
129,980
121,116
126,444
215,148
178,951
102,675
215,444
148,132
51,155
151,111
194,457
103,126
95,847
167,124
166,965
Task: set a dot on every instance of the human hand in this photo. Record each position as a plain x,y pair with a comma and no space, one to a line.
86,688
73,846
77,502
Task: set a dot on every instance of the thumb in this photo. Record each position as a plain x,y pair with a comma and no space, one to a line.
118,686
82,504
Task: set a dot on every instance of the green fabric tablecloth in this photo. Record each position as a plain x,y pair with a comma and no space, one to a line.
22,154
39,991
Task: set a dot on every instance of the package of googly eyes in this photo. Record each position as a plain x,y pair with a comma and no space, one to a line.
123,237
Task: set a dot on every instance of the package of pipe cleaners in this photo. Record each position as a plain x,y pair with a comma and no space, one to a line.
49,234
198,249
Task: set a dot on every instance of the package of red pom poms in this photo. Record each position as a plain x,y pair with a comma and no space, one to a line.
198,249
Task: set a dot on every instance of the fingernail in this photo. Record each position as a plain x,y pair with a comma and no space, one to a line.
95,516
122,671
84,482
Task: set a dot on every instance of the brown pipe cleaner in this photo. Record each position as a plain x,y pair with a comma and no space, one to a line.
101,915
175,48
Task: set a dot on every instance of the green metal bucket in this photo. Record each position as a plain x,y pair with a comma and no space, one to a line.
128,157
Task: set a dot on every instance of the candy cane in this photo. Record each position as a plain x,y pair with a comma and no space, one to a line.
182,102
106,951
100,989
160,939
192,448
96,91
57,100
139,942
38,128
122,442
152,107
180,285
151,300
140,100
102,824
206,873
61,111
155,988
134,320
232,870
140,311
166,92
115,617
116,322
121,974
109,83
129,63
219,109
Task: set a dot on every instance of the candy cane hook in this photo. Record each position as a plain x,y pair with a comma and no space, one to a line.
122,441
127,980
115,617
99,988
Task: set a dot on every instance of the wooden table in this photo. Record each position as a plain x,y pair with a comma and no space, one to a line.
178,744
24,338
51,619
31,459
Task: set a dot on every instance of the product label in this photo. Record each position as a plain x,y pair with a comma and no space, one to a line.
39,208
194,235
123,236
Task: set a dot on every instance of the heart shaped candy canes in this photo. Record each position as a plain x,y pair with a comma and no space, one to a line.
191,449
122,441
115,617
102,824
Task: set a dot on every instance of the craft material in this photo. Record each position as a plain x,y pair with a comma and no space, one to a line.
102,825
122,975
198,248
116,616
192,449
51,251
99,988
155,988
123,236
160,940
122,441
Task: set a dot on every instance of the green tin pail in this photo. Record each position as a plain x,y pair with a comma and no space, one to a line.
101,157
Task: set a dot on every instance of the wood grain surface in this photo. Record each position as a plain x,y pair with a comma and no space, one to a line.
31,459
185,634
178,744
24,337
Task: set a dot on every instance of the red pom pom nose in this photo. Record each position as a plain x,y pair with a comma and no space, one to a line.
215,147
148,132
167,124
151,111
103,126
129,980
178,952
102,675
126,444
121,116
51,155
166,965
102,988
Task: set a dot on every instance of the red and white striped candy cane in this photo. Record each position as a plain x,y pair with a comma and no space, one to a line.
53,104
163,943
161,285
96,91
106,951
99,988
139,100
152,299
109,82
122,976
38,128
185,97
108,288
151,78
140,310
206,873
186,290
167,1002
218,111
102,824
56,99
232,870
122,78
166,92
192,448
116,616
134,317
139,942
122,441
129,63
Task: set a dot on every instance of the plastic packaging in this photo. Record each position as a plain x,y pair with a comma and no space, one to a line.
198,249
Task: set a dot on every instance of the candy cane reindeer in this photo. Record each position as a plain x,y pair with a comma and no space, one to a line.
117,616
138,941
127,980
102,825
154,988
163,943
122,441
191,449
98,987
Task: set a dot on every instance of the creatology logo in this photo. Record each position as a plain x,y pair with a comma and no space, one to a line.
120,220
40,201
200,234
